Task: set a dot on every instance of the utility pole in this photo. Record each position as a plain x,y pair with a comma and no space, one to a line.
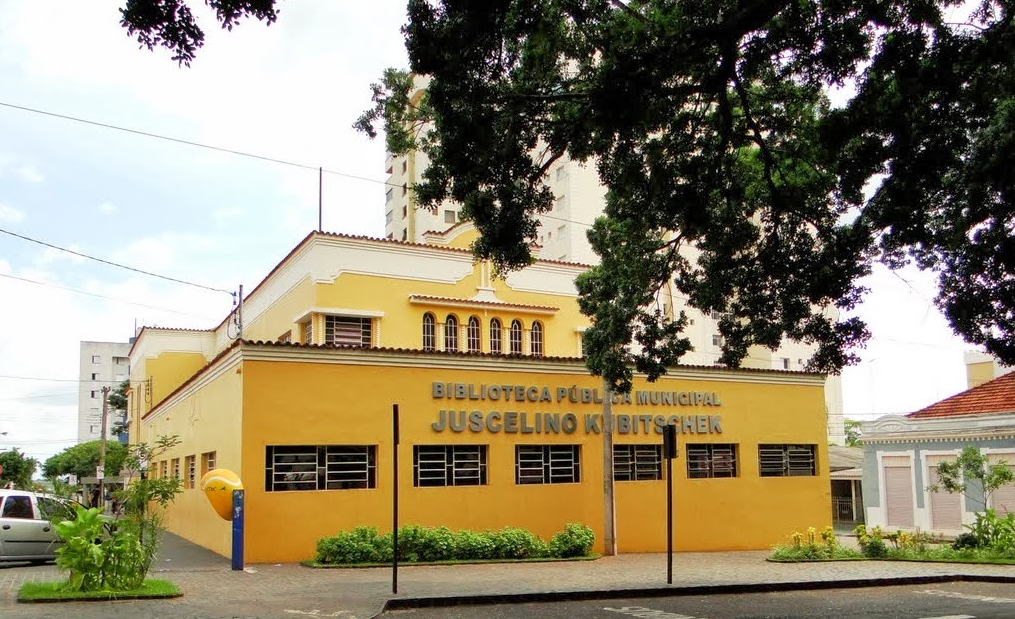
609,504
100,471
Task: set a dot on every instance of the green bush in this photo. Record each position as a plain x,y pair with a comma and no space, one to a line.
574,541
964,541
423,544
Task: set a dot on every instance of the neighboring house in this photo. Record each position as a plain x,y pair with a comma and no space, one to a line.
579,198
901,455
101,364
981,367
845,465
500,423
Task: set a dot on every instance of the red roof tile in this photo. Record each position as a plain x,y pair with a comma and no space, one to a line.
996,396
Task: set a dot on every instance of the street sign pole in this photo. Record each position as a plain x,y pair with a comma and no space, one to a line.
669,452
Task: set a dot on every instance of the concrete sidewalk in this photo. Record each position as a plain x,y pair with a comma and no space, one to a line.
213,590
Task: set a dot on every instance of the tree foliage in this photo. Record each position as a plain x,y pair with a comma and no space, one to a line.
18,469
117,401
971,467
710,125
853,433
82,459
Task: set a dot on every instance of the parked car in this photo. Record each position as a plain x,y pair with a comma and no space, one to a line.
26,525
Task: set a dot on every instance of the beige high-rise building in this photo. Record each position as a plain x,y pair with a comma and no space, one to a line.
579,198
100,364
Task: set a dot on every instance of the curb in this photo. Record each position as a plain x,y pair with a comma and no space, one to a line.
601,594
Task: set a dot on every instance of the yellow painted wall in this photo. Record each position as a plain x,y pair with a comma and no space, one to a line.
290,403
979,373
206,420
171,369
278,317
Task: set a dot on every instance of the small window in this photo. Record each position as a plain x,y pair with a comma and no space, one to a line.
207,462
429,332
347,331
449,465
121,360
561,173
405,234
319,467
191,472
405,166
95,376
95,394
515,337
286,337
547,464
405,189
714,314
451,333
450,217
716,339
561,232
308,331
472,335
18,506
388,195
164,469
711,460
785,363
176,468
96,359
637,462
405,211
93,429
389,217
496,346
787,460
536,339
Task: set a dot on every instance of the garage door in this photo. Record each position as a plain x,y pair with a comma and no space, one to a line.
945,507
899,493
1003,499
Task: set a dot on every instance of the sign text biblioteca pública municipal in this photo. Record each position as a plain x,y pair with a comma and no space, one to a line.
543,422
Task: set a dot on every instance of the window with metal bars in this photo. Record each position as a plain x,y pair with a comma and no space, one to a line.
710,460
451,333
536,339
449,465
347,330
319,467
787,460
495,336
191,471
176,468
207,462
308,331
547,464
429,332
515,337
472,334
637,462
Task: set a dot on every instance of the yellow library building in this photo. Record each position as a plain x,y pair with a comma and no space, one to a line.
500,422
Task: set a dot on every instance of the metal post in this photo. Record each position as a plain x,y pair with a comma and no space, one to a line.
100,471
669,452
394,498
609,501
237,560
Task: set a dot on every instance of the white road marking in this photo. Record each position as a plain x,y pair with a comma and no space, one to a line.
647,613
970,596
317,613
951,617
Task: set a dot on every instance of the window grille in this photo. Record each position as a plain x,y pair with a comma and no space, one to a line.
429,332
711,460
637,462
515,337
449,465
347,331
473,334
176,468
207,462
547,464
191,471
536,339
308,331
495,339
451,333
319,467
786,460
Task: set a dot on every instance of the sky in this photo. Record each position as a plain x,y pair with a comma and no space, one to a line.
289,92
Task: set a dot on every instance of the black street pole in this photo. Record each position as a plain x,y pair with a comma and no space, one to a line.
394,500
669,452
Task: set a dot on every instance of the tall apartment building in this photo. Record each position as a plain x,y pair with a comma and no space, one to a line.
101,364
579,199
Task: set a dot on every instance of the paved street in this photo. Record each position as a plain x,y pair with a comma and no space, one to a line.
212,590
945,601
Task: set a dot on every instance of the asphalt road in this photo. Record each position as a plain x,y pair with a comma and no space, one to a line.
961,600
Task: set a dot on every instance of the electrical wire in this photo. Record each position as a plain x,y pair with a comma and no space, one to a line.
197,144
60,380
34,397
92,294
115,264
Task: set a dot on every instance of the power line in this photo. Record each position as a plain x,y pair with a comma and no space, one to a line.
92,294
34,397
60,380
115,264
197,144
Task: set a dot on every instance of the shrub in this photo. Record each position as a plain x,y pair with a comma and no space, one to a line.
993,532
473,545
355,546
512,543
574,541
965,541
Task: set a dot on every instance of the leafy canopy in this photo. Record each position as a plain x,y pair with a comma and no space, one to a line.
972,466
709,124
17,469
82,459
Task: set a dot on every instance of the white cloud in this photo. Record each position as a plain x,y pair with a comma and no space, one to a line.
10,215
50,256
29,174
107,208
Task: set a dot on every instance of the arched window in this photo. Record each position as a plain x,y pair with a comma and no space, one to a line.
473,334
496,346
515,337
536,339
429,332
451,333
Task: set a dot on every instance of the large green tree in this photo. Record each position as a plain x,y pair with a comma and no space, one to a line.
17,469
710,125
82,460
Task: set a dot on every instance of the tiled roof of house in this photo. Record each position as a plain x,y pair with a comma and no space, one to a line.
995,396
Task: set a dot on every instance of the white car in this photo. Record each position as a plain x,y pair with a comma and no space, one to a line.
26,527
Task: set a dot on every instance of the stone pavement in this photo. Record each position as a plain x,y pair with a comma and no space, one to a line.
212,590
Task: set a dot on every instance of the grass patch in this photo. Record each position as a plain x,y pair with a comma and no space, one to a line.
55,592
314,564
